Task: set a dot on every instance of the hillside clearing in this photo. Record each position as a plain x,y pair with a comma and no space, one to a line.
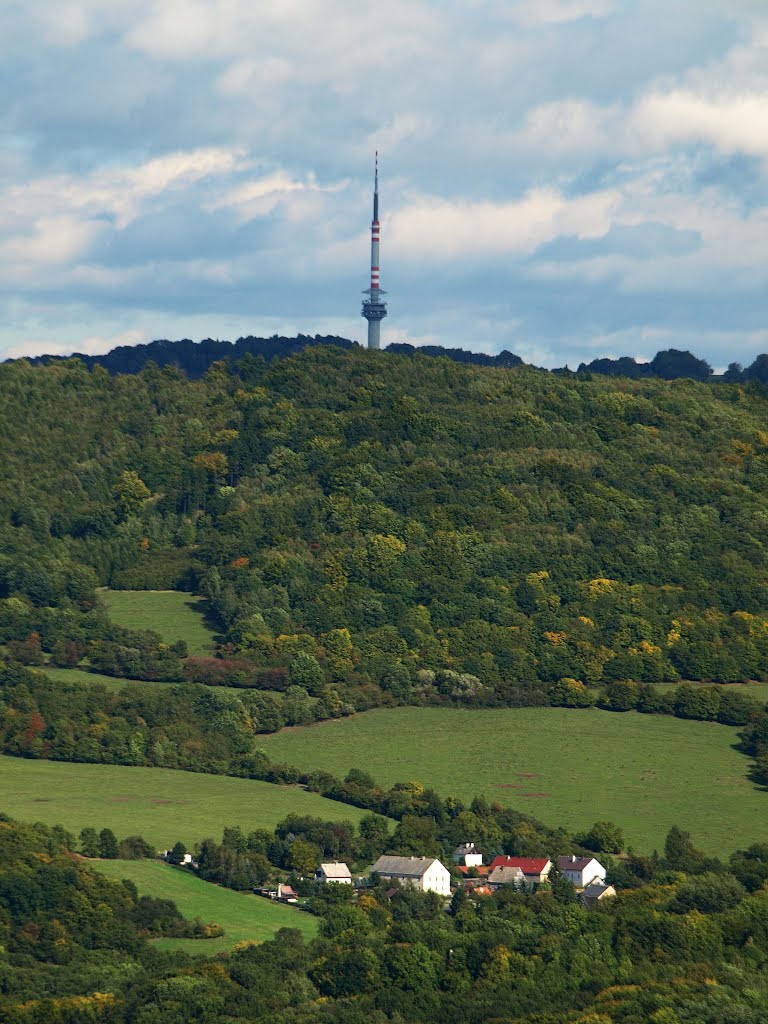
172,614
84,677
163,806
564,767
243,916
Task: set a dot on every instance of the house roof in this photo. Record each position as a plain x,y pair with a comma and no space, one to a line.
480,869
574,863
598,889
336,870
465,848
528,865
504,875
403,867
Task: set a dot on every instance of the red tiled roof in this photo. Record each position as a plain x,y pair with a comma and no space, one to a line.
479,869
528,865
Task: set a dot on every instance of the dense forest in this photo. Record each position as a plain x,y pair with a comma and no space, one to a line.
459,532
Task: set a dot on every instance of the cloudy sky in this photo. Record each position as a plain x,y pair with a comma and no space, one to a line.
563,178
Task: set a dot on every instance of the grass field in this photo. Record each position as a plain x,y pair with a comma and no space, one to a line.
86,678
758,691
162,805
564,767
175,616
243,916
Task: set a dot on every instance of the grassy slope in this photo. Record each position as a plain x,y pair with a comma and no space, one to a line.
564,767
162,805
175,616
243,916
114,683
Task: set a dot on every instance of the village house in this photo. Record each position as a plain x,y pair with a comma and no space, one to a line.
535,869
468,855
595,893
581,871
425,873
286,894
503,875
336,872
186,861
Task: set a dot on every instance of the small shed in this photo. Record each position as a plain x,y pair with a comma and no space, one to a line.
595,893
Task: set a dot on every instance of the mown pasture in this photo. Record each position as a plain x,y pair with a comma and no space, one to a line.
161,805
172,614
243,916
562,766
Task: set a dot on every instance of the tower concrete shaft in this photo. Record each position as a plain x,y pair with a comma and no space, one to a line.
374,309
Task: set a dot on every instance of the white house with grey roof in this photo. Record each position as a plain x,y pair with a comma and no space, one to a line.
425,873
468,855
581,870
336,872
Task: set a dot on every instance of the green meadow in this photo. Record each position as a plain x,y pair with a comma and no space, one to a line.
86,678
564,767
243,916
172,614
162,805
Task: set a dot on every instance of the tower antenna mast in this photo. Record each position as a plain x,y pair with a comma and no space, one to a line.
374,309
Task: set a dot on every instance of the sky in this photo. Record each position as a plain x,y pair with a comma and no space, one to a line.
566,179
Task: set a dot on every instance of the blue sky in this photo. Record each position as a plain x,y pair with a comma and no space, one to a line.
563,178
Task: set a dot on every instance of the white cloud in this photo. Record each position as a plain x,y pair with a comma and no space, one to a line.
443,230
91,346
732,124
549,12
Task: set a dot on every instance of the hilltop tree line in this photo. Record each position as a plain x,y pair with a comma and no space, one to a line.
194,358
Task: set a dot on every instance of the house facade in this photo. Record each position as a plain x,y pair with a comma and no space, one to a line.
425,873
467,855
581,871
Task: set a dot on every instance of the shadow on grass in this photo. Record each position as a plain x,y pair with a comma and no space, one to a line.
202,606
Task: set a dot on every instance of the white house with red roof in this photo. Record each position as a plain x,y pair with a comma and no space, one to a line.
582,871
535,869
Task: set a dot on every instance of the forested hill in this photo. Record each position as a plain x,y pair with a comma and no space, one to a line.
454,532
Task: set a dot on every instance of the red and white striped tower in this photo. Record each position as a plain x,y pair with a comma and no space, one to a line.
374,310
